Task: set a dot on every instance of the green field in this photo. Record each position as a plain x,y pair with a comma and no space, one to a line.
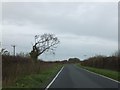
108,73
40,80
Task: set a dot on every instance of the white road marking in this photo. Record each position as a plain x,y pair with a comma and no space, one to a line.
101,75
54,78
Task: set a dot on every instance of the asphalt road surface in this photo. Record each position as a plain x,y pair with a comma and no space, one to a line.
75,77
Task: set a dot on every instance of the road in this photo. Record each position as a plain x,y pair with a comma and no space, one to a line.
72,76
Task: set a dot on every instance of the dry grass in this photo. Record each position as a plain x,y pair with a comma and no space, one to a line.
15,67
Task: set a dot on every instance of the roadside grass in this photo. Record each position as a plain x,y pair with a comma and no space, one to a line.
39,80
108,73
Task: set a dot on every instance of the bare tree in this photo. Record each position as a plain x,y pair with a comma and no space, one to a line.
43,43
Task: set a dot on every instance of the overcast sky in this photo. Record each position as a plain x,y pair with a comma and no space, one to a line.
83,28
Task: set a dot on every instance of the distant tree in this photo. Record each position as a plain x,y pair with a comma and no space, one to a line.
4,52
117,53
44,43
64,61
22,54
74,60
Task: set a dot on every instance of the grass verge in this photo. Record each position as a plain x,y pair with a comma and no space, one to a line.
108,73
36,80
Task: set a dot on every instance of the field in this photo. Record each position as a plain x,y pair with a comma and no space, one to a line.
107,66
109,73
21,72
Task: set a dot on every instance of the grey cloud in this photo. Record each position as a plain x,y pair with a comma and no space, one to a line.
85,26
67,17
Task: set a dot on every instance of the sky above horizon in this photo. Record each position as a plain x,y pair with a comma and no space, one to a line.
84,29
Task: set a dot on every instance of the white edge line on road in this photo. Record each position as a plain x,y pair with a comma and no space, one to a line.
54,78
101,75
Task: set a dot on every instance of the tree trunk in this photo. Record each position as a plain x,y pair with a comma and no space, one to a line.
34,55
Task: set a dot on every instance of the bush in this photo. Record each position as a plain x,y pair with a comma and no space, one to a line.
112,62
14,67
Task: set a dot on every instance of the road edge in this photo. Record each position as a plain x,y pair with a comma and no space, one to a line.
54,78
101,75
